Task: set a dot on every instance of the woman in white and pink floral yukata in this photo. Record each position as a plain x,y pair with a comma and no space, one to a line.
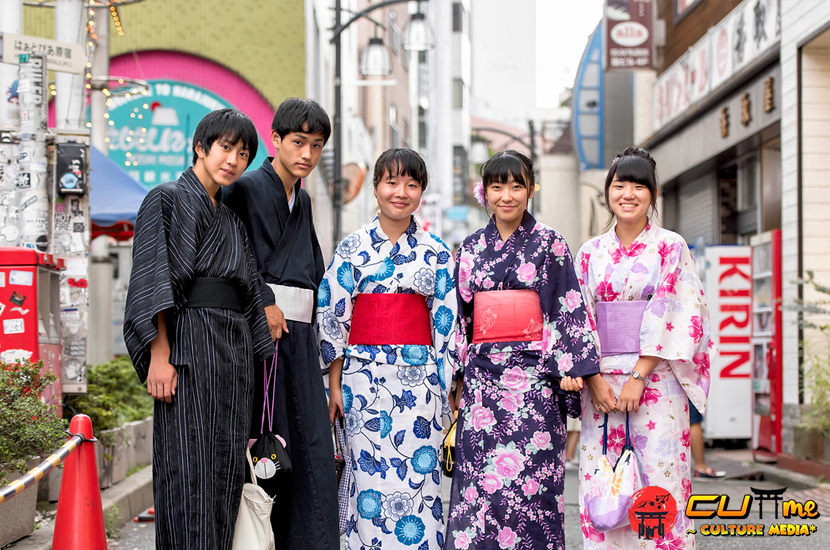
522,329
650,375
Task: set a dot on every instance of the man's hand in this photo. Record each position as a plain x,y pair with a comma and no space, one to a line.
276,321
162,380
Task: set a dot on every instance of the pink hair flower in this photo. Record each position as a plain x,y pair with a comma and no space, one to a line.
478,192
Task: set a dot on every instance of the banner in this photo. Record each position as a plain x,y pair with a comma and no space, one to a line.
629,40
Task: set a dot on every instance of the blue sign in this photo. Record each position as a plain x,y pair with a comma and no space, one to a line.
150,136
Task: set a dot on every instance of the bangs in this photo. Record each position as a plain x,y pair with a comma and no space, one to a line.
636,170
500,168
401,162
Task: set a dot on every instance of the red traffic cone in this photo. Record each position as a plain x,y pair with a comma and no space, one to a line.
79,523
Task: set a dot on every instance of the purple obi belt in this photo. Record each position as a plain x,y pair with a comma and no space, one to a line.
618,326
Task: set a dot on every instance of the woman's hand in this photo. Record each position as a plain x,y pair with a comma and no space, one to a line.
602,394
335,402
631,394
571,384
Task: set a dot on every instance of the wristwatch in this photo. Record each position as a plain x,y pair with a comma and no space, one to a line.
637,376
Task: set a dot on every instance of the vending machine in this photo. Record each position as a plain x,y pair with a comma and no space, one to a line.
766,346
30,310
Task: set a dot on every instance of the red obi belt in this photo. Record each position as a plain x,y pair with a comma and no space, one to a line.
390,319
507,316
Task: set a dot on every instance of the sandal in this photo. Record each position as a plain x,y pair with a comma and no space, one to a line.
709,473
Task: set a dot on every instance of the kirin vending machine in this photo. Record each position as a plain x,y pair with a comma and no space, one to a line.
30,310
766,346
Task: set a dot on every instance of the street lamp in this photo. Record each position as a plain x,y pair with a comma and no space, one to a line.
478,151
416,37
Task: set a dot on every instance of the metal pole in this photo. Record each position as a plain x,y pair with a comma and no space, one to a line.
337,184
69,101
534,159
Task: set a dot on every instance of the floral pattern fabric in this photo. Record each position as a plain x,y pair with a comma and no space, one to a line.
394,396
507,488
658,268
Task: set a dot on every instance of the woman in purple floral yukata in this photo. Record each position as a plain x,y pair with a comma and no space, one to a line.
522,329
639,265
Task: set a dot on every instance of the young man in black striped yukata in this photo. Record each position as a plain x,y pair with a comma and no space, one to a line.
195,328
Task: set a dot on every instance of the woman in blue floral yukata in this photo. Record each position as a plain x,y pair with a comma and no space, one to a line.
522,330
386,316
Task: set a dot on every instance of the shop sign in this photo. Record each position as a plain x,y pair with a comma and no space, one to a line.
738,40
628,27
150,135
60,56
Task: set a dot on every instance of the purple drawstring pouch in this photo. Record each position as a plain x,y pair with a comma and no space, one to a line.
618,326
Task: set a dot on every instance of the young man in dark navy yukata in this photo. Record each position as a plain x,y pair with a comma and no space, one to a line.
276,211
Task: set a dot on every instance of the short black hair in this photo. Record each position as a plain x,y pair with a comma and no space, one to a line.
229,124
508,163
401,162
296,114
634,165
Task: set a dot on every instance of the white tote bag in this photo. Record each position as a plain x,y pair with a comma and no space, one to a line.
253,524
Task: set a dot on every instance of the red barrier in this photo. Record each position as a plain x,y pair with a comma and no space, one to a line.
79,524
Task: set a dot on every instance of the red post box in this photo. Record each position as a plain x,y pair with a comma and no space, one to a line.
30,311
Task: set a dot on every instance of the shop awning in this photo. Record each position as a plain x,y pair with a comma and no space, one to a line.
114,198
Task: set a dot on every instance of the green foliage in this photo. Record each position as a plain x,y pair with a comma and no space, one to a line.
114,396
817,356
28,426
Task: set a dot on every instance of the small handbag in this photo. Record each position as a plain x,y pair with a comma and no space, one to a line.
253,522
272,465
609,496
343,465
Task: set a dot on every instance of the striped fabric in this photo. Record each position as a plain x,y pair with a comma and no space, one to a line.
199,439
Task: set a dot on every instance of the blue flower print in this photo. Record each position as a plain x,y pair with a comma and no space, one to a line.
443,283
345,277
409,530
327,351
369,504
443,320
424,281
331,326
348,398
398,505
385,270
385,420
354,422
412,376
415,354
424,459
324,294
348,246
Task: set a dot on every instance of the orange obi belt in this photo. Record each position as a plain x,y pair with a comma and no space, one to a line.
390,319
507,316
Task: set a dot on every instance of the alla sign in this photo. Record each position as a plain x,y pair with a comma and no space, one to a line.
629,41
149,136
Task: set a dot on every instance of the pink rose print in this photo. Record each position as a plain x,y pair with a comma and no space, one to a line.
511,402
492,482
516,379
588,530
696,328
462,540
559,248
507,538
530,487
488,283
685,439
509,462
541,440
465,266
572,300
650,396
470,494
566,362
526,272
498,358
616,439
482,417
547,392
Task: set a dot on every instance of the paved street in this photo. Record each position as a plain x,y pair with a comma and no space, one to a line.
139,536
